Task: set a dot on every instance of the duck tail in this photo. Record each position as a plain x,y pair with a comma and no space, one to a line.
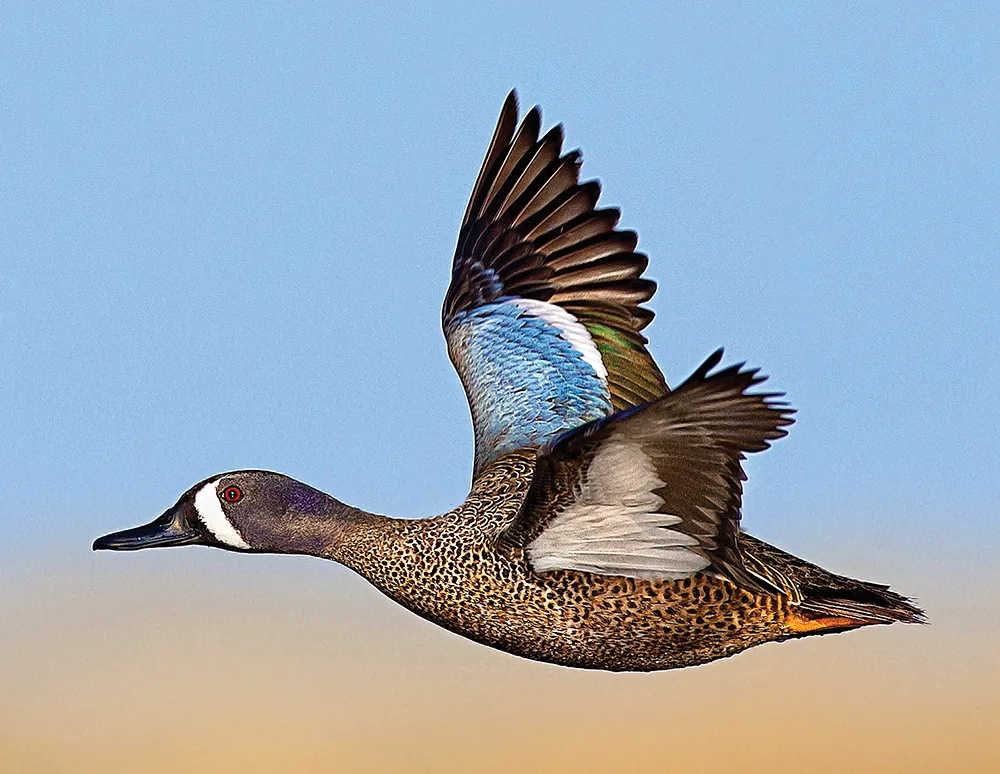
823,601
859,602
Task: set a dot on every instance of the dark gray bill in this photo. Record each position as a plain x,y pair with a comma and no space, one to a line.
171,529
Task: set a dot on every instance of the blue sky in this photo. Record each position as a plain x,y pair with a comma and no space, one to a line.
227,234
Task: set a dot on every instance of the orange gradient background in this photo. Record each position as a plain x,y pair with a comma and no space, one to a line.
288,664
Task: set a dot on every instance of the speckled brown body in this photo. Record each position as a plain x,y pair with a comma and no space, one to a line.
447,570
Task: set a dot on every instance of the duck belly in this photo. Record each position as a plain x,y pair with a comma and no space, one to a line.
574,618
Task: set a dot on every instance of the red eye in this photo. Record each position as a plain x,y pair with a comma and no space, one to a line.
233,494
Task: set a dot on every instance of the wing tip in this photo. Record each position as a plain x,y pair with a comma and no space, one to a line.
510,103
544,201
734,382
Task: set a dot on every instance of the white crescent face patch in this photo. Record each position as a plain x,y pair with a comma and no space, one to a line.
209,509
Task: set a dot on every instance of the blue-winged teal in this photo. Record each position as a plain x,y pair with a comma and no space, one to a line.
603,525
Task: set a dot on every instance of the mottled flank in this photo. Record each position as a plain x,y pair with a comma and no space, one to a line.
448,570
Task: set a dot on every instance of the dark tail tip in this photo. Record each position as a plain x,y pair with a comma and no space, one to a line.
867,603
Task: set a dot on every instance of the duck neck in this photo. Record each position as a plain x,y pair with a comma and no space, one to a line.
323,527
355,533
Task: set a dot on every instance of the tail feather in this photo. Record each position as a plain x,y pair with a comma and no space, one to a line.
866,602
823,596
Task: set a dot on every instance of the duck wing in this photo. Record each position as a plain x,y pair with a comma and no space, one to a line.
543,315
654,491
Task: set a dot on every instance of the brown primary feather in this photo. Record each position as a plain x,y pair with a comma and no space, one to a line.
532,230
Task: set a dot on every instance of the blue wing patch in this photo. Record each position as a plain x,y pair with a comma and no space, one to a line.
526,380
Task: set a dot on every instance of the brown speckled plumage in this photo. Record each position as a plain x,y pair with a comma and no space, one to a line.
447,570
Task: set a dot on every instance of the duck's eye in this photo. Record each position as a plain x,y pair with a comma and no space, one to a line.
233,494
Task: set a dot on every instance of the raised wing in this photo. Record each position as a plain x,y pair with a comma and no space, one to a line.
653,492
542,316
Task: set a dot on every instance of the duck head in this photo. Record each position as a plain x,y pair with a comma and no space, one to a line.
246,510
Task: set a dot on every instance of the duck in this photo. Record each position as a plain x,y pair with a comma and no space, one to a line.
603,527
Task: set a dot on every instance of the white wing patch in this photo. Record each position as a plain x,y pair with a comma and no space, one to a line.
209,509
571,329
613,528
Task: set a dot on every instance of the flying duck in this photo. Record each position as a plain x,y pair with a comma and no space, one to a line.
602,529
